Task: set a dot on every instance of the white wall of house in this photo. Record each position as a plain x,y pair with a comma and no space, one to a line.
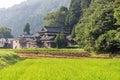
2,42
16,44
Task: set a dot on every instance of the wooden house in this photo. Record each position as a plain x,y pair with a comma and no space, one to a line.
48,35
16,44
24,41
42,39
5,42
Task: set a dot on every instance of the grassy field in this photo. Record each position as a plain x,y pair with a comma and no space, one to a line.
63,69
8,58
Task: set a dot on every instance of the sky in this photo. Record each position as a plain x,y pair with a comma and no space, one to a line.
9,3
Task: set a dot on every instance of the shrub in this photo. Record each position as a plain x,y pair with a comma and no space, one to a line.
109,42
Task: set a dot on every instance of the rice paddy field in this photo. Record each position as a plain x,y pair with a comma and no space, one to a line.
63,69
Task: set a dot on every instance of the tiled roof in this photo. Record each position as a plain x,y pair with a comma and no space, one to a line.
54,29
27,35
36,35
47,38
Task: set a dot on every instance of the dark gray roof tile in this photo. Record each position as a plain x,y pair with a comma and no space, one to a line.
54,29
47,38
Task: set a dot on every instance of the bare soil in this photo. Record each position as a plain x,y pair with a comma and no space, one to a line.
63,55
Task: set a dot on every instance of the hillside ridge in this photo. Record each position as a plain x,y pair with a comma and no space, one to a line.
31,11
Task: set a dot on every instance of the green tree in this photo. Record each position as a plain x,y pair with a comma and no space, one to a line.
27,28
109,42
117,15
73,33
75,12
6,32
56,18
57,41
63,42
104,23
60,41
95,22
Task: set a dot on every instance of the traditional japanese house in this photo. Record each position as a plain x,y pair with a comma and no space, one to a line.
45,38
48,35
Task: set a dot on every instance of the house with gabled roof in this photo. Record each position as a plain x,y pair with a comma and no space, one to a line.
48,35
25,41
5,42
42,39
51,29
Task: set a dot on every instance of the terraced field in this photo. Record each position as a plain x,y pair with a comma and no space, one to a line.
63,69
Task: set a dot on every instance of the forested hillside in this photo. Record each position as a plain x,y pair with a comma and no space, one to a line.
31,11
67,17
93,24
99,27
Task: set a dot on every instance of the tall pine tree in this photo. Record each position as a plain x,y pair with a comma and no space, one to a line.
75,12
27,28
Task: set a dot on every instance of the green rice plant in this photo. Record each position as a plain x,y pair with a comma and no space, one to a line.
63,69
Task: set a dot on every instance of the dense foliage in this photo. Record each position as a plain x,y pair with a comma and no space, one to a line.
6,32
95,24
109,42
27,28
56,18
75,12
60,41
67,18
98,28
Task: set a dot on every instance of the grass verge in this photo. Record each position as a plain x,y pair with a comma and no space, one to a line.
52,52
8,58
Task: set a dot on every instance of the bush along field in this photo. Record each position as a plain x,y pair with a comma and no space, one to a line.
8,58
63,69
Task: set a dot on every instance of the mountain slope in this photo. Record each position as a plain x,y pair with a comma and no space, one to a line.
31,11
